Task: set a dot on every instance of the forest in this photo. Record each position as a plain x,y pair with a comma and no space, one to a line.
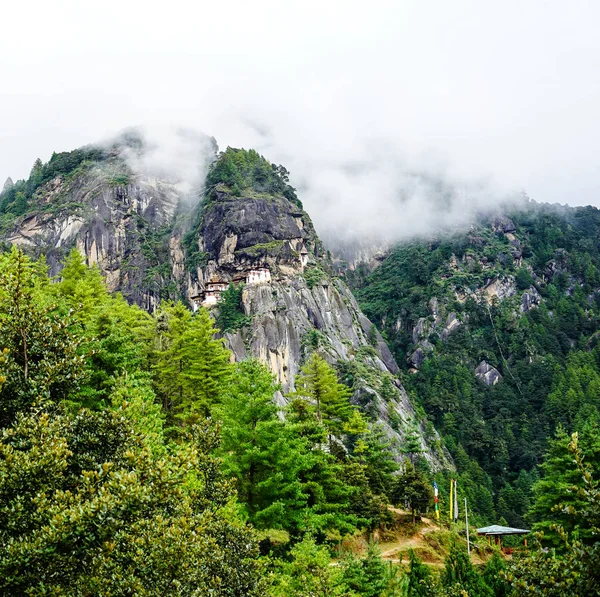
138,459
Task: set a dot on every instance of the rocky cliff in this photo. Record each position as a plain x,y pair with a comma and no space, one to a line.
137,230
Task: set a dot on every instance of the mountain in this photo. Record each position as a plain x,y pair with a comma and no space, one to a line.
247,250
496,332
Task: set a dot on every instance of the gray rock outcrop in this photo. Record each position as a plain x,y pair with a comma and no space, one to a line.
530,300
503,224
487,374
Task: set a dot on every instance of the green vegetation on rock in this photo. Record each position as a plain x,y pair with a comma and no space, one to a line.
241,170
519,294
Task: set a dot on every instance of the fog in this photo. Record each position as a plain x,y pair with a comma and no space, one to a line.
394,118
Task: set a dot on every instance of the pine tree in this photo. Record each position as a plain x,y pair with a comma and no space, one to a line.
379,461
206,364
254,448
191,364
309,573
8,184
420,580
365,576
41,360
554,498
572,569
412,443
230,314
284,481
412,488
134,398
459,573
318,382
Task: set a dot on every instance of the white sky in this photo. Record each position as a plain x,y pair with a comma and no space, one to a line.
508,90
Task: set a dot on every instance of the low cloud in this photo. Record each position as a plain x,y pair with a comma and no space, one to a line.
394,118
177,154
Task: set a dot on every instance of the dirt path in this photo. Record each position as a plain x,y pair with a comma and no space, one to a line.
391,551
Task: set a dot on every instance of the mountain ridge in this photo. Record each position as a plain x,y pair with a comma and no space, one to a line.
151,245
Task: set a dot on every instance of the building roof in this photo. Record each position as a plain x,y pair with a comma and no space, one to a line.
496,529
216,280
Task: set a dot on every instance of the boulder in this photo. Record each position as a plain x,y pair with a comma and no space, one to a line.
487,374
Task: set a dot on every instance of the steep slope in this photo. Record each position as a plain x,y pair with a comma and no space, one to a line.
483,325
121,218
250,223
250,231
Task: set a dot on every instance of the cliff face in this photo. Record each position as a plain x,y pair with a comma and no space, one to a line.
118,220
302,307
138,233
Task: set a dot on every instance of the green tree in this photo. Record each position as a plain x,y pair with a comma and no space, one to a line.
377,456
191,364
365,576
255,450
413,490
134,398
41,360
412,443
309,573
86,509
82,286
115,335
572,569
318,382
523,278
494,576
459,573
420,579
283,480
554,499
230,314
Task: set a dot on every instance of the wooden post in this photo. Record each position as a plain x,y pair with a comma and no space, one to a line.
467,528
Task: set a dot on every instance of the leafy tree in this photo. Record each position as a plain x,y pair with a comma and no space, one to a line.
85,509
494,576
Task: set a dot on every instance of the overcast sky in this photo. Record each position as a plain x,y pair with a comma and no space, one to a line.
351,96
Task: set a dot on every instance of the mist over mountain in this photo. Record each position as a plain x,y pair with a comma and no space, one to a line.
300,298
